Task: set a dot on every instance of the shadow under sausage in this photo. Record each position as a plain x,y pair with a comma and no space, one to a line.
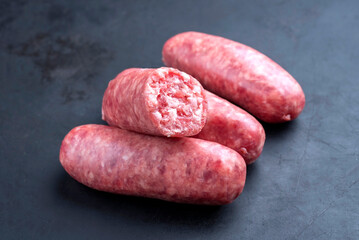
141,209
251,171
279,130
252,178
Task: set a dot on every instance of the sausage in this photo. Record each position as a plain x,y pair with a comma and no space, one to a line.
238,73
185,170
163,101
233,127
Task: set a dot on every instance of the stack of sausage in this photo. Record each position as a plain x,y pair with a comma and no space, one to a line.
169,138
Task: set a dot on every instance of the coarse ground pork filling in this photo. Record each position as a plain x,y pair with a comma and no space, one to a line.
176,103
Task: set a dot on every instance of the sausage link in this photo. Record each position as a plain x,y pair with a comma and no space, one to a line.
186,170
238,73
233,127
163,101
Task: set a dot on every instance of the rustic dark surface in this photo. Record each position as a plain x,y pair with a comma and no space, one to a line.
57,58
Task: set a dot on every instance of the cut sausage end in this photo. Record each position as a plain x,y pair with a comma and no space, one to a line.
176,102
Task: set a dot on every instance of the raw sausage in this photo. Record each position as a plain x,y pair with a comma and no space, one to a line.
186,170
238,73
163,101
233,127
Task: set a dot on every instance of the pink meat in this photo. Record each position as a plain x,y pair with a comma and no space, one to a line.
186,170
163,101
238,73
233,127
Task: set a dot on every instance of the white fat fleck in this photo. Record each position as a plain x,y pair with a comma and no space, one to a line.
173,102
117,86
198,112
195,101
246,75
91,176
143,184
157,115
162,72
172,113
102,114
177,81
171,191
151,90
152,100
186,77
260,69
97,140
198,43
196,89
126,156
102,164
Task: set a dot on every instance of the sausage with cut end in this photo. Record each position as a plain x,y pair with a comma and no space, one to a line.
186,170
238,73
163,101
233,127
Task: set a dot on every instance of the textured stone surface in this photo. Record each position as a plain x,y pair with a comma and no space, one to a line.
56,60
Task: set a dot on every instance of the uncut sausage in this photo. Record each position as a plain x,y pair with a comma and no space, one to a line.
238,73
163,101
186,170
233,127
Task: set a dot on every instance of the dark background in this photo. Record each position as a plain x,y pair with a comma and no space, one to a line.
57,58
